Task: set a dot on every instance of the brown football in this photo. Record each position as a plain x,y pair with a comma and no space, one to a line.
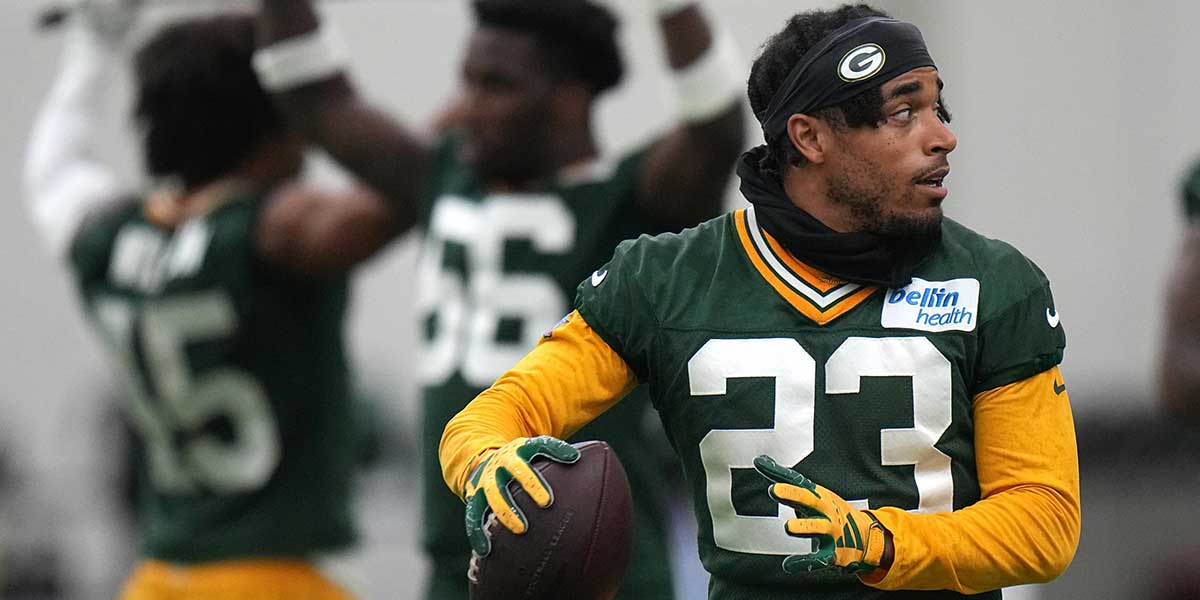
577,549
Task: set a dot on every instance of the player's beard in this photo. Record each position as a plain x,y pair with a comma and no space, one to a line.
867,192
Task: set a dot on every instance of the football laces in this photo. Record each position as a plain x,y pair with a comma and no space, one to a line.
489,525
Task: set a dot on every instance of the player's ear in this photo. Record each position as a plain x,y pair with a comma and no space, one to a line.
809,136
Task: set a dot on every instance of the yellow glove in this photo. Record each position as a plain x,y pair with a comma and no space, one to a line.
487,486
848,540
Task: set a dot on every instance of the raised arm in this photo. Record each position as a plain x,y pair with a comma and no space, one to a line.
65,177
314,233
687,171
302,63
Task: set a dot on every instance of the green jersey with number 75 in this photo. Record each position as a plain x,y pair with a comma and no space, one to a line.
239,416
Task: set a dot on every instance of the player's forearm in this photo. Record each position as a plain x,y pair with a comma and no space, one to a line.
370,144
1026,527
317,235
687,170
706,71
65,177
1025,535
302,64
570,378
65,129
685,34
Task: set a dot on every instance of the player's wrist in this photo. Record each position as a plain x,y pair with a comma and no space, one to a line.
889,550
470,478
878,537
300,60
712,82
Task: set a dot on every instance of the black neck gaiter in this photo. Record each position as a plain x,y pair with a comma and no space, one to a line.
858,257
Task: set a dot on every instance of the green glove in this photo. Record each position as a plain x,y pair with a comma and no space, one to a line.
487,487
848,540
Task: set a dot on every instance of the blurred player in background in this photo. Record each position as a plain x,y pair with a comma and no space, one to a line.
221,295
841,327
1180,357
517,205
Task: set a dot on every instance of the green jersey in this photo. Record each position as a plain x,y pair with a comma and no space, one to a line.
867,391
498,270
237,380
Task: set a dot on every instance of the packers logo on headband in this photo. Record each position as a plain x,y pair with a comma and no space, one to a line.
861,62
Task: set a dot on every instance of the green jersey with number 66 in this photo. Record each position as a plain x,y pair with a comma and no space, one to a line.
748,351
237,383
497,271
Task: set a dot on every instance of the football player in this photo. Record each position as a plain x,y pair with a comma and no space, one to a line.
865,395
221,296
1180,356
517,204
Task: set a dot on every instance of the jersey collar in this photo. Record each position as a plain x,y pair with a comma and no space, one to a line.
814,294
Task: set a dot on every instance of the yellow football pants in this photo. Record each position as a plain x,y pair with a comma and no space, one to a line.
258,579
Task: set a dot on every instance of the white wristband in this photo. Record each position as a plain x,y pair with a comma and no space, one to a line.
666,8
712,82
296,61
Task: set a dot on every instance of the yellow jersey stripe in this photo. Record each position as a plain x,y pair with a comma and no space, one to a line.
818,280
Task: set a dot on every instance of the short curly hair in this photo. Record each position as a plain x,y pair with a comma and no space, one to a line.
199,104
578,39
782,51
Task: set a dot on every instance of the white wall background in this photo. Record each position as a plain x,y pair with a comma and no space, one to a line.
1075,119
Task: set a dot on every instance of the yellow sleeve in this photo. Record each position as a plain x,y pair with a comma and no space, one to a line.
568,379
1025,527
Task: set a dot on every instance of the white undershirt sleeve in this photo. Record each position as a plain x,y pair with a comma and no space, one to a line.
65,179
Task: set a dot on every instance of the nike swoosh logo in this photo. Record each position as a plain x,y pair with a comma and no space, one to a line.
1051,317
1059,388
598,277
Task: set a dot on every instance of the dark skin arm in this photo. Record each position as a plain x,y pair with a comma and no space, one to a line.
885,562
378,150
1180,358
683,182
687,170
316,234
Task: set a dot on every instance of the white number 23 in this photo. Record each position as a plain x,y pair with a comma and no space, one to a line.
792,437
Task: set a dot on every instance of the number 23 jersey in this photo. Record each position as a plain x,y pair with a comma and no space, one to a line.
748,351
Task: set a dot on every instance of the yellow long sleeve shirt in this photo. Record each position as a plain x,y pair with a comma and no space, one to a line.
1024,529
